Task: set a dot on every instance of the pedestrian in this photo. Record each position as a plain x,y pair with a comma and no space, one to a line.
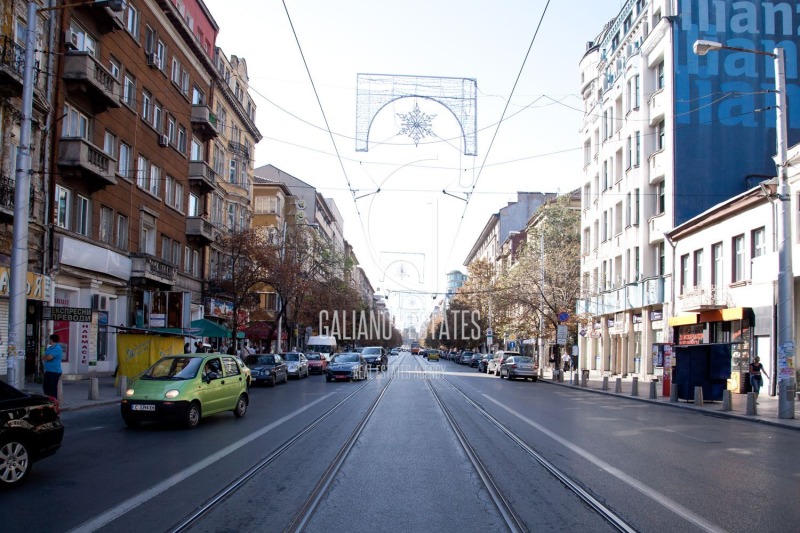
52,366
187,348
565,360
552,361
231,349
756,371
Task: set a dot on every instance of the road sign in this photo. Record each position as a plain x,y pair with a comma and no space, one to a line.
563,316
561,335
582,332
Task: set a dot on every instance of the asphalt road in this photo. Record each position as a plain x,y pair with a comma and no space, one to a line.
659,469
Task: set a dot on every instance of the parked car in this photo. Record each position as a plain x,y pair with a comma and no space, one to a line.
317,364
296,364
268,368
375,356
433,355
465,358
519,366
499,357
484,362
30,430
186,388
476,358
348,366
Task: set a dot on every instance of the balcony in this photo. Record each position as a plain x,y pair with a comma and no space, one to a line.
653,291
86,75
12,63
87,161
201,229
657,163
658,107
698,299
204,122
239,149
202,175
658,225
150,268
108,15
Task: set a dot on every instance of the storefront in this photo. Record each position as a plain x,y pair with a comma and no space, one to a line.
38,291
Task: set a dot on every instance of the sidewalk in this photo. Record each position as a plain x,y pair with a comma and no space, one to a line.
75,392
767,408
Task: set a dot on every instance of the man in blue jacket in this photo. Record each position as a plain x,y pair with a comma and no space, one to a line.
52,366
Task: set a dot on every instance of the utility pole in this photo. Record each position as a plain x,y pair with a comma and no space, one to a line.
19,248
541,303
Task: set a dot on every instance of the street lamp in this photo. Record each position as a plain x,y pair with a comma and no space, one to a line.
787,380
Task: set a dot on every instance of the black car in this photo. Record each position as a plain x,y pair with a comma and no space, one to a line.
269,368
30,429
375,356
484,362
475,361
348,366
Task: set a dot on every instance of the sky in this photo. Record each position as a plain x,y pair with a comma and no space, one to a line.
303,60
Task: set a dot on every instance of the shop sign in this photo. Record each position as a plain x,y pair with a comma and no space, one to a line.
219,308
656,316
67,314
38,286
637,318
692,334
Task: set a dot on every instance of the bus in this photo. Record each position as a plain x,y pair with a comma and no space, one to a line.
415,348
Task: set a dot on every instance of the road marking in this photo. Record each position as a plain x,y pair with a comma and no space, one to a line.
656,496
134,502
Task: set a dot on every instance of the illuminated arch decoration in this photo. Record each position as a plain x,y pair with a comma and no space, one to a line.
402,265
458,95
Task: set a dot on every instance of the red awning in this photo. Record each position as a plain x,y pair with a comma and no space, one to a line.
260,330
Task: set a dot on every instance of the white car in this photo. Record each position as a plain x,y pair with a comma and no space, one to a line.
297,364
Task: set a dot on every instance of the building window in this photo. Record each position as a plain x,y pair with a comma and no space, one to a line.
635,207
106,224
155,180
81,40
124,161
109,143
194,206
75,123
147,241
195,263
662,262
636,92
637,154
175,75
129,91
759,242
187,259
142,175
181,139
161,58
158,116
698,268
147,103
684,273
717,265
176,254
174,193
122,232
660,197
629,160
637,263
737,273
63,207
132,21
196,152
171,130
233,171
113,67
84,221
660,75
660,136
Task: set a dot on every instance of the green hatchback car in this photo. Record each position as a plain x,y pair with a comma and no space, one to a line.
186,388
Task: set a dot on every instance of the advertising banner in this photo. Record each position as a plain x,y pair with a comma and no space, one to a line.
136,353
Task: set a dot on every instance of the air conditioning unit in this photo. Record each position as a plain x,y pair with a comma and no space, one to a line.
152,59
70,40
99,302
163,140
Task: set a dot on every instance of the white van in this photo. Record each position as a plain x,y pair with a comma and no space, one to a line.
325,345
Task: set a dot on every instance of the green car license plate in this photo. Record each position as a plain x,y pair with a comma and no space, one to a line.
143,407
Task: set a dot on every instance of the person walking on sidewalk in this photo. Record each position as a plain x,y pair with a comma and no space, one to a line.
756,371
52,366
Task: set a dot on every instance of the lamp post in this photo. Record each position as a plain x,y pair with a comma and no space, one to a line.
787,380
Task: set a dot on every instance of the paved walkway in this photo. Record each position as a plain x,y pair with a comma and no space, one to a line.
75,394
766,410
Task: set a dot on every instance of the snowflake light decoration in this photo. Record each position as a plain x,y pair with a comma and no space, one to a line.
416,124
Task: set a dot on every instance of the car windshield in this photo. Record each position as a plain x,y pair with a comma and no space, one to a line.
346,358
313,357
291,357
256,360
371,351
177,368
323,348
522,359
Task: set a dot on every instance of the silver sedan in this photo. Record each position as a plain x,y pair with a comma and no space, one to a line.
519,366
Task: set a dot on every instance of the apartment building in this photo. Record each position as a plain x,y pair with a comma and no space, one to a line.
666,136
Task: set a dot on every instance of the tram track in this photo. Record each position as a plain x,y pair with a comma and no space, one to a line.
237,484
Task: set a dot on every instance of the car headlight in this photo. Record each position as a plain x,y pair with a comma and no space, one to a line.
130,392
172,393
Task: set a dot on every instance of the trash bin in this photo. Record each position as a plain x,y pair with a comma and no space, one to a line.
585,374
744,383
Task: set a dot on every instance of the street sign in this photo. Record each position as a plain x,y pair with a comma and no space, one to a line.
582,332
561,335
563,316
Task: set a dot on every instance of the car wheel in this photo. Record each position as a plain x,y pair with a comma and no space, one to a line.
328,379
501,375
272,380
241,406
193,416
15,462
131,422
533,380
286,377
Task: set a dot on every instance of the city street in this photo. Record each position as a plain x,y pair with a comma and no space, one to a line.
389,459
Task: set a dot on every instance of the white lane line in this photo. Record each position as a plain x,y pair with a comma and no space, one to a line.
131,503
656,496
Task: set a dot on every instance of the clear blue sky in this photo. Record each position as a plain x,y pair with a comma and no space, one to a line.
535,148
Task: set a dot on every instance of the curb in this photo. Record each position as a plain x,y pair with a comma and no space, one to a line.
95,403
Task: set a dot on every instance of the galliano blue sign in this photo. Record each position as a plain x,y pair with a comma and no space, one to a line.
725,101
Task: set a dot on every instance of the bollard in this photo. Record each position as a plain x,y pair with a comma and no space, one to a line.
653,390
635,386
605,383
618,385
752,408
673,393
94,389
123,385
584,378
727,401
698,396
575,379
555,375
